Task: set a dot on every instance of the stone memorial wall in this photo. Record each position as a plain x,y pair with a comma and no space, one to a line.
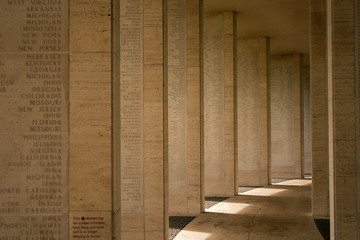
155,216
214,96
139,202
34,119
193,107
219,104
90,150
183,109
319,110
285,116
90,225
131,107
177,114
343,112
252,110
228,182
306,123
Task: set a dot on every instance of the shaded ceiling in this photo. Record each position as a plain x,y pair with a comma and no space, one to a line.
286,22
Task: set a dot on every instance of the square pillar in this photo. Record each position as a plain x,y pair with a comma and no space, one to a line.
218,104
90,117
319,110
252,112
139,209
306,122
343,112
285,116
183,107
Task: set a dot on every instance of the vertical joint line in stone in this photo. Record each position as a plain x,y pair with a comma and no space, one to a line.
236,192
357,97
297,147
302,119
329,96
268,109
202,167
165,122
68,117
114,125
186,104
142,155
224,14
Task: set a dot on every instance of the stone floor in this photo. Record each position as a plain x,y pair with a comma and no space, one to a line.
177,223
280,211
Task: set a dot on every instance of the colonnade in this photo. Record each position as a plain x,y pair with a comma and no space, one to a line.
167,106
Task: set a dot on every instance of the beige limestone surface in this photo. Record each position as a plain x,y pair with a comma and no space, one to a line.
29,26
34,92
139,191
319,110
252,111
183,107
285,116
90,116
344,125
94,225
194,15
154,218
176,108
306,121
219,139
281,211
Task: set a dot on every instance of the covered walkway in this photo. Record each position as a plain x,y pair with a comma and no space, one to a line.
280,211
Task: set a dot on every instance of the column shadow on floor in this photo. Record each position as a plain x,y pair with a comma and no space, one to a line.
177,223
281,211
324,227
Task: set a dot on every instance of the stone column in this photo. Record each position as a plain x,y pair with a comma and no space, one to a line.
183,110
194,14
344,124
285,116
90,118
139,191
219,129
306,121
319,121
252,111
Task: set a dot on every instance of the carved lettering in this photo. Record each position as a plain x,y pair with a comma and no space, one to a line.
34,129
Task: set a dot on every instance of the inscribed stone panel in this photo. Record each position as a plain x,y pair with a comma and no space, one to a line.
95,225
34,119
193,102
177,117
248,113
131,106
214,97
319,111
306,120
252,107
282,118
34,26
341,80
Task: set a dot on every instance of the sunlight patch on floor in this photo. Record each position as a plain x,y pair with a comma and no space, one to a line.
279,211
294,182
264,192
228,208
186,234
